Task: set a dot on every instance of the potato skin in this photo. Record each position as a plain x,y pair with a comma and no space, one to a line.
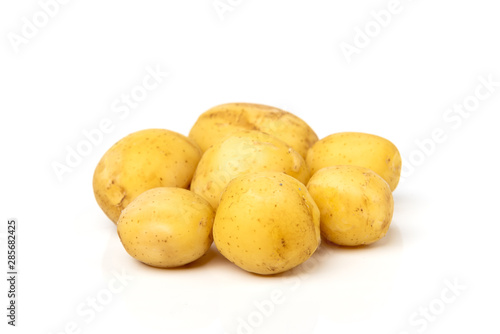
358,149
166,227
140,161
218,122
266,223
356,204
244,152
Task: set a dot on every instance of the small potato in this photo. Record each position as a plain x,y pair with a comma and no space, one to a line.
356,204
140,161
266,223
166,227
358,149
244,152
216,123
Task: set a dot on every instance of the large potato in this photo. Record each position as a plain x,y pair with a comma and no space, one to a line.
266,223
359,149
244,152
166,227
216,123
356,204
140,161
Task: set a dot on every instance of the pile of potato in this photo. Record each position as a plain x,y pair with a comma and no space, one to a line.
253,179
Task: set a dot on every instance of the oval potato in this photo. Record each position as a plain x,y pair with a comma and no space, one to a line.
244,152
358,149
216,123
356,204
140,161
166,227
266,223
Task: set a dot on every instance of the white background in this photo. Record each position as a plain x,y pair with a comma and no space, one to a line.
65,79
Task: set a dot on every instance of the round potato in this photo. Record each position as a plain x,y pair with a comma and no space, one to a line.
140,161
244,152
358,149
218,122
356,204
166,227
266,223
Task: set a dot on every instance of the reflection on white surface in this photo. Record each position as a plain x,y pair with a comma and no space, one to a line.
341,284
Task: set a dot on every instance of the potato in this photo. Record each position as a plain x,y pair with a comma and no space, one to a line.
358,149
244,152
216,123
166,227
356,204
143,160
266,223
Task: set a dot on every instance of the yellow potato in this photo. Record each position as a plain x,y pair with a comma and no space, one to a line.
356,204
143,160
218,122
266,223
244,152
166,227
358,149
